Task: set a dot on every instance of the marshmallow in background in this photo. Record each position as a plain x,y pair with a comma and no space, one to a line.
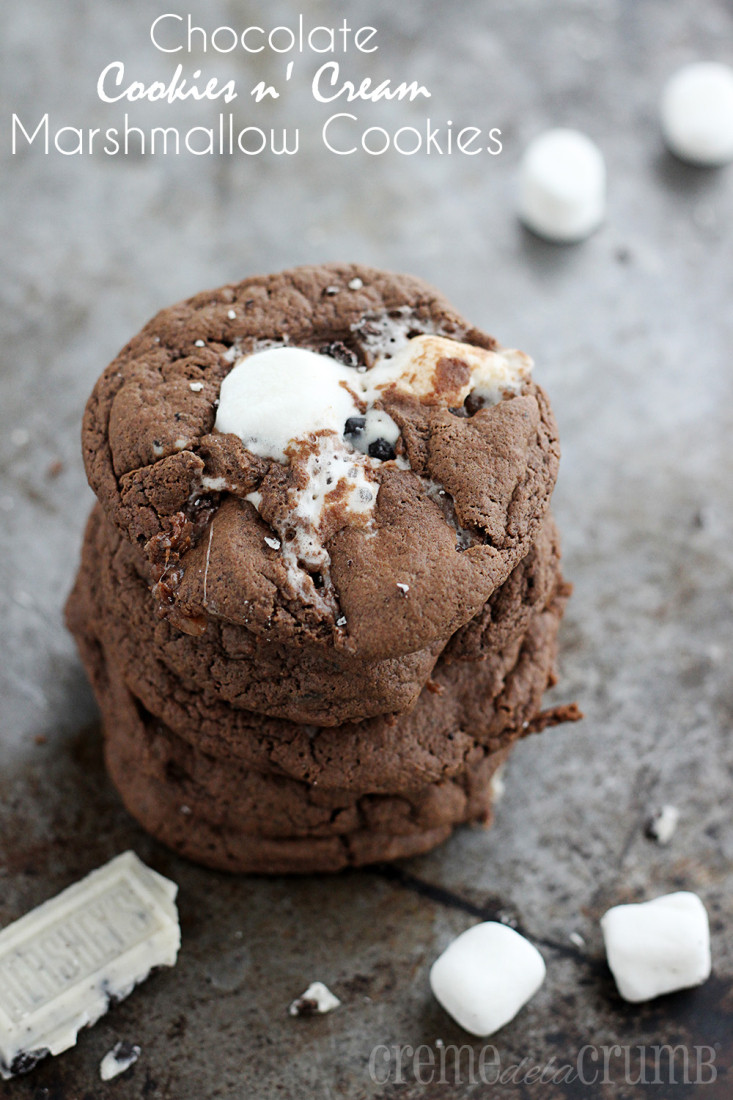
485,976
697,113
562,186
658,946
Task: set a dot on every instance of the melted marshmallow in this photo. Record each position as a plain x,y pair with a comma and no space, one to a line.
280,395
292,405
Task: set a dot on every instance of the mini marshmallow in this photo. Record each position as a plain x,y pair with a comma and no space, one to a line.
697,113
562,186
485,976
658,946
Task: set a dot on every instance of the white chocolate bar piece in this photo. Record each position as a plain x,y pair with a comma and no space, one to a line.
63,964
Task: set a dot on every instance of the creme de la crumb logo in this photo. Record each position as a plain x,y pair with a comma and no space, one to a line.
591,1067
328,63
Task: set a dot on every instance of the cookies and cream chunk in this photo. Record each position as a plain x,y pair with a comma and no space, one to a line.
658,946
63,964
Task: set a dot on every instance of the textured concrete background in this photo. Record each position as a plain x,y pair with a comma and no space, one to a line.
632,332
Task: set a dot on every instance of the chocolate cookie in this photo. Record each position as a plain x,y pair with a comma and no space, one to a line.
238,819
487,703
444,473
311,684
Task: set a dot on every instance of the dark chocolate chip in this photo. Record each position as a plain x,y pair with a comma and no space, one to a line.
382,450
354,425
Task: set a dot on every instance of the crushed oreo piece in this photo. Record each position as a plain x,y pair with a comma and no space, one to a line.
354,426
338,350
382,450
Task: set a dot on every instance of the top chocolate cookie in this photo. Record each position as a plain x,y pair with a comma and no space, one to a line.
329,454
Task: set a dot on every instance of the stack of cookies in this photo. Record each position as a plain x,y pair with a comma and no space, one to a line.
320,591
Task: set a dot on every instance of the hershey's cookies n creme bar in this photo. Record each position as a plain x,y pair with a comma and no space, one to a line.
64,963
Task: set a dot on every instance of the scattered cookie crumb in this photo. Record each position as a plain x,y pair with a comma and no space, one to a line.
54,468
662,824
497,784
116,1061
316,1001
40,739
19,437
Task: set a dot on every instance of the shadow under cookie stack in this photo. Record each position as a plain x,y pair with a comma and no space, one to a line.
320,591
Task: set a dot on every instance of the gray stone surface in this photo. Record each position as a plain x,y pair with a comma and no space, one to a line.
632,332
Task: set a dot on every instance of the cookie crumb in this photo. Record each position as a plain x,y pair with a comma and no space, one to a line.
497,785
116,1061
662,824
54,468
316,1001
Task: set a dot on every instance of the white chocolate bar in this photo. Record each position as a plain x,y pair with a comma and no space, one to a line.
66,962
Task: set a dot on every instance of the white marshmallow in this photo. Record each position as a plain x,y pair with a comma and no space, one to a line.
658,946
697,113
485,976
562,186
280,395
